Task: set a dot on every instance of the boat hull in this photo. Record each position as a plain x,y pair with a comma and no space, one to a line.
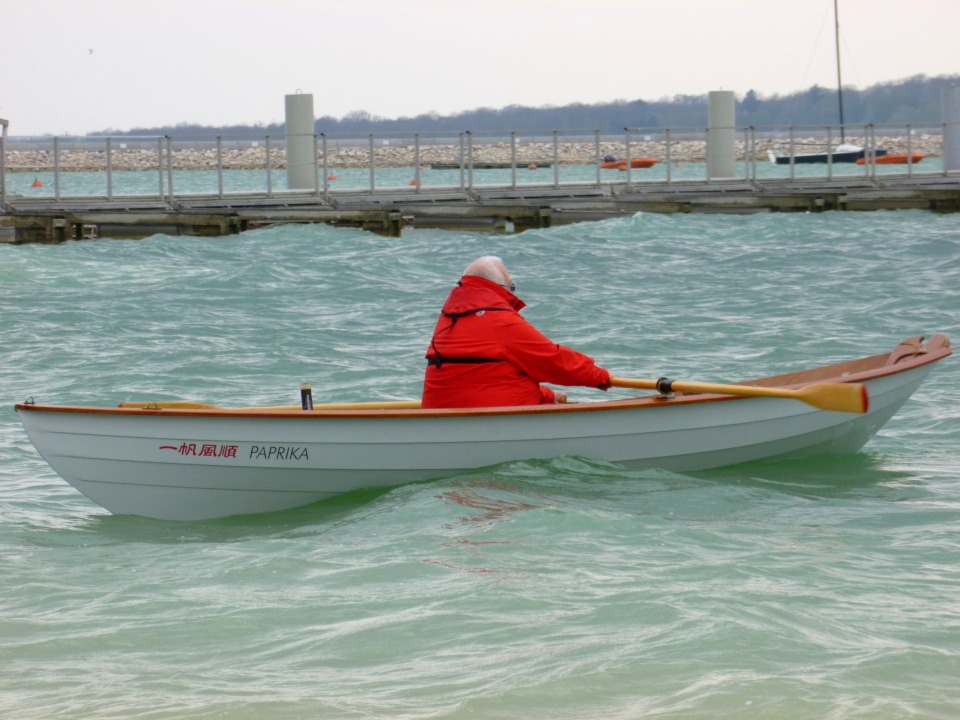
893,159
823,158
200,464
640,163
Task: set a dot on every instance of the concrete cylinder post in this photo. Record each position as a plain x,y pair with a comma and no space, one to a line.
721,152
950,116
301,160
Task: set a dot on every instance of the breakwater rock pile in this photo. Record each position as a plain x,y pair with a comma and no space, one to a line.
400,154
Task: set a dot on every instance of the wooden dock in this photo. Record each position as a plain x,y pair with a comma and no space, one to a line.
495,209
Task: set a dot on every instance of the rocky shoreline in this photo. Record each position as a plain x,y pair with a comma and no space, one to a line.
404,155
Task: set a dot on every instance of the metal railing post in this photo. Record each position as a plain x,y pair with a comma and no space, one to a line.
372,171
792,153
909,150
556,159
461,162
746,147
110,168
56,167
626,147
326,167
219,166
169,145
316,167
706,135
829,152
470,159
268,164
3,164
160,167
866,152
416,163
943,142
596,153
513,159
668,160
873,150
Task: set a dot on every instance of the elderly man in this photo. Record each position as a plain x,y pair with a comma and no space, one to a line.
483,354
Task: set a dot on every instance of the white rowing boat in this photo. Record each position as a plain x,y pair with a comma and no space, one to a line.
184,461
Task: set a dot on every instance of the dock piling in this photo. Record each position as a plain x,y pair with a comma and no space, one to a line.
301,158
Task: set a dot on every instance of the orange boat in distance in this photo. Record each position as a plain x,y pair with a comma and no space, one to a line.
893,159
634,163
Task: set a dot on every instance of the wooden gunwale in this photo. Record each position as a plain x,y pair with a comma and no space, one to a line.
845,372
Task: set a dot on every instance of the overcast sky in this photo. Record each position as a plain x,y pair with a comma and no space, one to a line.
79,66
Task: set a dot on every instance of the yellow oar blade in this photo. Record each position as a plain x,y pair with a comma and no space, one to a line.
841,397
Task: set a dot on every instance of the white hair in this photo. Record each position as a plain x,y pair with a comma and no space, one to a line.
489,267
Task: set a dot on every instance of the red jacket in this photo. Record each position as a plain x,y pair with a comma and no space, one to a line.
483,354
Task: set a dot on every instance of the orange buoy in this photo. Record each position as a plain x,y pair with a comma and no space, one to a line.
531,166
415,182
36,183
331,177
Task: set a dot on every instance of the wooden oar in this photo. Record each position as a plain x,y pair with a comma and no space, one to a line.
842,397
187,405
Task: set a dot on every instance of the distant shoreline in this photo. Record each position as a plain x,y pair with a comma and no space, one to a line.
568,153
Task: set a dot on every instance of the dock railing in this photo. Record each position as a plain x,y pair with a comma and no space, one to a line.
165,168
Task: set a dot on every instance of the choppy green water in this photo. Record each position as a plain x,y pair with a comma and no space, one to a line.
563,589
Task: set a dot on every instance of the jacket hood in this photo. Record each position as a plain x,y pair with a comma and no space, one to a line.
476,293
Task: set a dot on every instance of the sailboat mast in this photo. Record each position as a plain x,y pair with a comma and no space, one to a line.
836,22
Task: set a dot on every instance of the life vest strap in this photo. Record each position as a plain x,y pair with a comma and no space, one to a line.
438,361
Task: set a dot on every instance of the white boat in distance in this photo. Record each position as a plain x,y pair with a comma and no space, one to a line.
845,153
181,461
